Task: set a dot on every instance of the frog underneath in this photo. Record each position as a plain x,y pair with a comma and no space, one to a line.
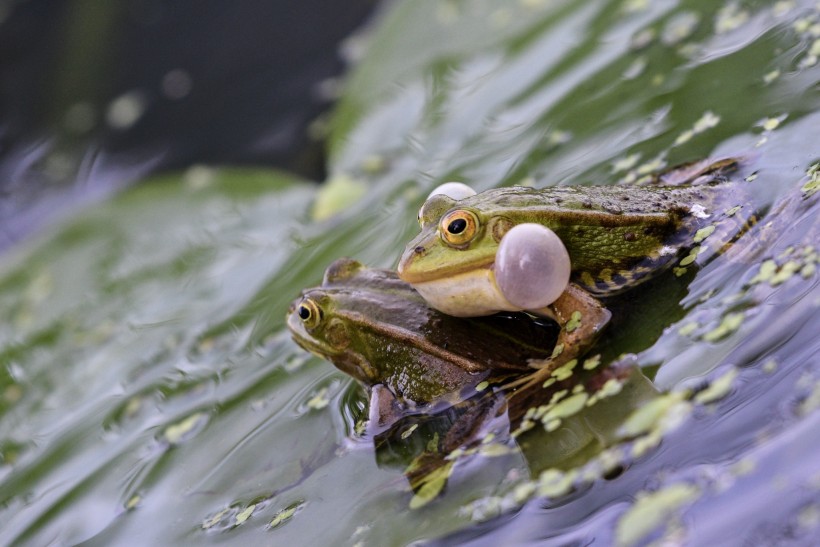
376,328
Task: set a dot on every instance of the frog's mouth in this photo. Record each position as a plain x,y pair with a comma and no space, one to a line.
472,293
426,258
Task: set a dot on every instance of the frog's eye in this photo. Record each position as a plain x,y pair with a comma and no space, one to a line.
458,227
309,313
445,197
532,266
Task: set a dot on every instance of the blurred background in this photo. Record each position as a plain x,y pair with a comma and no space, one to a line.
94,95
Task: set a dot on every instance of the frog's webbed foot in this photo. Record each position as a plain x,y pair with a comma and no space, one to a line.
581,318
384,409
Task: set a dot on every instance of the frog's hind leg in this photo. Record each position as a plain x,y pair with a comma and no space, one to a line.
581,318
697,172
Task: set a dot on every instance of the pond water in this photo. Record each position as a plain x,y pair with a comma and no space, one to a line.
150,393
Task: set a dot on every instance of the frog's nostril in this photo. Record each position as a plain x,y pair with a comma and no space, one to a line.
419,250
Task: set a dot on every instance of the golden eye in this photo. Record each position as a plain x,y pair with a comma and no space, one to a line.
309,313
458,227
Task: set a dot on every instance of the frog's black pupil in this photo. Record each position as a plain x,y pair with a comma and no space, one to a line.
304,313
457,226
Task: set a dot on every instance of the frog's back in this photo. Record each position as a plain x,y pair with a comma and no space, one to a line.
619,236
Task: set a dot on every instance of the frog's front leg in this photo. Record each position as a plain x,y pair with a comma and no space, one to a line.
581,318
384,409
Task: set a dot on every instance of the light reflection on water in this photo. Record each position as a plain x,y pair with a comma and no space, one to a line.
150,395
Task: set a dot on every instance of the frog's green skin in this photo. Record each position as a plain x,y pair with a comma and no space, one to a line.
616,237
376,328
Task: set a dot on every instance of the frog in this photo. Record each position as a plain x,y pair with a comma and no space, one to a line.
408,356
443,378
561,252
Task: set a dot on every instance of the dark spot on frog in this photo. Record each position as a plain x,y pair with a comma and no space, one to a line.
419,250
630,236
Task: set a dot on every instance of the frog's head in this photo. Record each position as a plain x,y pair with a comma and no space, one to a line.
318,323
470,259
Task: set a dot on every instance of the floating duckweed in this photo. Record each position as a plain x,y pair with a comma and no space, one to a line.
743,467
809,517
688,259
214,520
812,402
679,28
336,195
704,232
651,166
770,124
245,514
564,372
482,386
730,17
373,164
495,450
133,502
813,184
175,433
574,321
552,425
557,350
718,389
611,387
523,492
285,515
578,388
632,6
688,328
769,366
769,77
409,431
549,381
807,270
625,163
553,483
646,417
684,137
730,324
526,425
592,362
767,270
651,510
320,400
707,121
433,485
132,406
432,444
567,407
489,438
731,212
557,396
786,271
679,271
646,443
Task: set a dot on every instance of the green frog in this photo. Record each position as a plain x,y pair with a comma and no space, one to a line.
378,329
557,251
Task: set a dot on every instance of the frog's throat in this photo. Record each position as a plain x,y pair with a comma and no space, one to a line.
469,294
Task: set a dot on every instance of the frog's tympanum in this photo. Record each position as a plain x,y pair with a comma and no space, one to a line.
556,251
376,328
